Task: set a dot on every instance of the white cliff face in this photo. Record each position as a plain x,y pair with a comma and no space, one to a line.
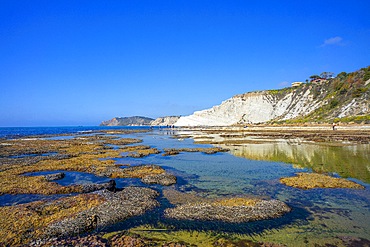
228,113
298,104
164,121
355,107
315,100
251,108
255,107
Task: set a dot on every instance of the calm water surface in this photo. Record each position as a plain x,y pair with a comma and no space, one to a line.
255,169
350,161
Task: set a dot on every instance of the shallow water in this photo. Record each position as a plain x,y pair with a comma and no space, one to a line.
319,216
350,161
11,200
73,178
18,132
32,155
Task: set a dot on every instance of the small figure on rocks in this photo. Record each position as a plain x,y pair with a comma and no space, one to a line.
334,126
92,222
112,185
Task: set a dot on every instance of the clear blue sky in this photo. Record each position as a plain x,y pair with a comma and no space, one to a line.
76,62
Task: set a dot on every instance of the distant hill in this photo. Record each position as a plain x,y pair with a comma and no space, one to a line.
127,121
140,121
345,98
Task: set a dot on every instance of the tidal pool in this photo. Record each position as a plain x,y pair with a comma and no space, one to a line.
72,178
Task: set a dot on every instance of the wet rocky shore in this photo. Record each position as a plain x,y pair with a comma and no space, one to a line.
310,133
88,209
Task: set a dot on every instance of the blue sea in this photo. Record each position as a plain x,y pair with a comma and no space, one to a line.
19,132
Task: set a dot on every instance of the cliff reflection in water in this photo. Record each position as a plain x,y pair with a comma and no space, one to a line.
348,161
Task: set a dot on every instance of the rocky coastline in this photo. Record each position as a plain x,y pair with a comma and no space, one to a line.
67,221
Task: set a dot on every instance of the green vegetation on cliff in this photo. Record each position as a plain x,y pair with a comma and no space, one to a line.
345,98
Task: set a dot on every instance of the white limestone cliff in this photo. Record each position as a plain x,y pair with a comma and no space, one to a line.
164,121
254,107
264,106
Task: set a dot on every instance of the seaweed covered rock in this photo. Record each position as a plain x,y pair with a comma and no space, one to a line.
131,201
162,179
111,186
129,241
140,171
315,180
55,176
149,174
233,210
142,151
22,223
169,152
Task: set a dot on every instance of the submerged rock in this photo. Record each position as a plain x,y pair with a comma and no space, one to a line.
233,210
354,241
55,176
129,241
120,239
150,174
162,179
315,180
169,152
